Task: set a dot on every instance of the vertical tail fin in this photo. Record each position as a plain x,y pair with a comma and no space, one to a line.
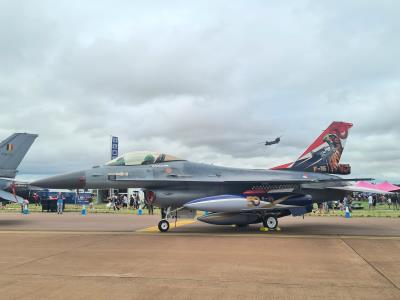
12,151
324,154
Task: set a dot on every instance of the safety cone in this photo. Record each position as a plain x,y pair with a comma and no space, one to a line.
347,213
83,211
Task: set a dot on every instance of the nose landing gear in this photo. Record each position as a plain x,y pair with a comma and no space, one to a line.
163,225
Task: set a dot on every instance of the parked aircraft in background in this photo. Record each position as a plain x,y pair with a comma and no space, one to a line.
12,151
231,195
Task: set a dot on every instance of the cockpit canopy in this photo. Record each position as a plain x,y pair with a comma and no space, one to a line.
141,158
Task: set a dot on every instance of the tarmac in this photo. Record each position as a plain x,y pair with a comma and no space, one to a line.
103,256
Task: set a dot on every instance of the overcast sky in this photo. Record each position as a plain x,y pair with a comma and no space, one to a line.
204,80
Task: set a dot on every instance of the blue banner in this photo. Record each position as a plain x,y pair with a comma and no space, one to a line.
114,147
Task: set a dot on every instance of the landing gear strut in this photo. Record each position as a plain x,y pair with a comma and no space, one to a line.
163,225
271,222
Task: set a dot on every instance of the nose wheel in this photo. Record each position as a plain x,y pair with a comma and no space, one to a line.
163,225
271,222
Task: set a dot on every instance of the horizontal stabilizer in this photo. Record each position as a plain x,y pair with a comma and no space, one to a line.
10,197
344,179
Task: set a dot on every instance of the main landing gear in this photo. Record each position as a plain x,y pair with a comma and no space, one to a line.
270,222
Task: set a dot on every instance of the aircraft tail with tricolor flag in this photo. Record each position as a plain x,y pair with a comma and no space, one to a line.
324,154
12,151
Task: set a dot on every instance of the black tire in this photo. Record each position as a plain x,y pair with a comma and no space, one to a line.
271,222
163,226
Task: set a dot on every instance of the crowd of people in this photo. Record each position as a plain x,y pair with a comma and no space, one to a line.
392,200
121,201
135,202
116,202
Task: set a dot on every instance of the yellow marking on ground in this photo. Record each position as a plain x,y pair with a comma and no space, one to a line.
171,226
266,229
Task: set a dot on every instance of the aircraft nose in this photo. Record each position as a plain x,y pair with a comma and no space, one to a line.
65,181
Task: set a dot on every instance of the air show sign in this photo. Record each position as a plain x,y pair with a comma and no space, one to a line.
114,147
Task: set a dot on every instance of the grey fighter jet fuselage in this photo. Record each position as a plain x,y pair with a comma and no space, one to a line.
177,182
232,195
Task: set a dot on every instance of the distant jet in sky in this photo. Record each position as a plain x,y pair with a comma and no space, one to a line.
276,141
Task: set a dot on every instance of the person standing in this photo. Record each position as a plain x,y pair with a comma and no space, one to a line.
137,200
114,202
150,202
145,203
341,206
374,199
395,200
142,202
345,202
60,203
131,202
109,204
36,199
370,201
91,203
389,201
125,201
25,206
350,202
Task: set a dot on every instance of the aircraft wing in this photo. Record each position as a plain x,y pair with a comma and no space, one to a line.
353,188
298,181
248,181
10,197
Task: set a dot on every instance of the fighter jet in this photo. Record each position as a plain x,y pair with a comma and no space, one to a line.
12,151
276,141
230,195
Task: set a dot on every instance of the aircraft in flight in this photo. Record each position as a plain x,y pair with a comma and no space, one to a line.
12,151
230,195
276,141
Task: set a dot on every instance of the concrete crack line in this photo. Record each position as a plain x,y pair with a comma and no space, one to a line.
192,279
371,265
200,234
267,235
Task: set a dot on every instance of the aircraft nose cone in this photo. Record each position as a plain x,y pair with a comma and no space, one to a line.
66,181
